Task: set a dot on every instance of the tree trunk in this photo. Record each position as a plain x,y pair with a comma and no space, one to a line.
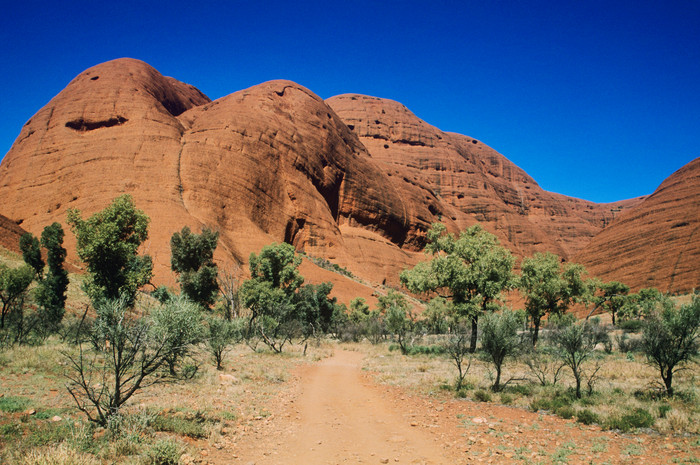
536,333
613,317
578,386
668,381
475,325
497,385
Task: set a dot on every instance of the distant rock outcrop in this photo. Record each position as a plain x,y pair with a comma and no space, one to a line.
354,179
657,243
10,234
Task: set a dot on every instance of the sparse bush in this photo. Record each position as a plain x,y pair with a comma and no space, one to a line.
499,339
506,399
638,418
565,412
220,335
576,345
482,396
457,347
165,452
587,417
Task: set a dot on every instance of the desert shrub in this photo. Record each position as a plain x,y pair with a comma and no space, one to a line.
499,339
482,396
630,326
12,404
587,417
565,412
638,418
506,399
663,410
165,452
57,455
192,425
627,344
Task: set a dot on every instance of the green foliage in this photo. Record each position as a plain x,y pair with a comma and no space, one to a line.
587,417
613,297
549,288
51,293
575,346
638,418
162,294
499,339
178,323
397,318
193,260
14,283
317,311
671,339
128,352
644,303
192,425
221,334
165,451
12,404
108,242
437,315
31,253
482,396
472,270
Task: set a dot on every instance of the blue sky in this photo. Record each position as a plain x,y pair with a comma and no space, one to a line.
594,99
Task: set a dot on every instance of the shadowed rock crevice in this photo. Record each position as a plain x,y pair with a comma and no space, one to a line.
84,125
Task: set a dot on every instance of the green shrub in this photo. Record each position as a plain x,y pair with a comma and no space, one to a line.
565,412
663,410
506,399
630,326
522,389
424,350
638,418
587,417
165,452
13,404
192,426
482,396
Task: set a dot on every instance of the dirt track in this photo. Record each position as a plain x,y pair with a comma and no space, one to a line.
333,413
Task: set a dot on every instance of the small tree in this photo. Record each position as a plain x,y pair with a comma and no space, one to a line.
471,270
437,315
499,339
14,283
457,348
269,295
52,289
193,260
613,297
108,243
670,339
575,345
221,334
31,253
550,288
229,285
129,352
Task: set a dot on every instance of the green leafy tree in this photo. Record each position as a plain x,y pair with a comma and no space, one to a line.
575,345
499,340
471,270
549,288
193,260
51,293
31,253
397,317
644,303
108,243
269,294
220,335
613,297
359,310
14,283
670,339
438,315
318,312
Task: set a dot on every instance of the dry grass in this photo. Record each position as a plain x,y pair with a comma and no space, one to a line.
622,385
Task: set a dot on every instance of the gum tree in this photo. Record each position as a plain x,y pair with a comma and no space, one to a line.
550,288
472,270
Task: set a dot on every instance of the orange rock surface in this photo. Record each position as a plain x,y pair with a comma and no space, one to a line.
356,180
10,234
657,243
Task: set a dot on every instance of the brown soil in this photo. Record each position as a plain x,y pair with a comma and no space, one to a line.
332,412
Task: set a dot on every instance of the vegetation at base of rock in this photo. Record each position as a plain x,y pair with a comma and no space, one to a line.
192,258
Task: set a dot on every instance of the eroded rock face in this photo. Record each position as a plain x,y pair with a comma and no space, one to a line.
10,234
357,180
472,182
657,243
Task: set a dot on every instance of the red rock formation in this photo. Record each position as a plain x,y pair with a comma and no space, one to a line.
10,234
657,243
474,182
275,163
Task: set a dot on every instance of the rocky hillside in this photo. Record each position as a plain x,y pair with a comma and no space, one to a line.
657,243
354,179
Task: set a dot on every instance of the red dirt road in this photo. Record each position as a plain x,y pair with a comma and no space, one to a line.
333,413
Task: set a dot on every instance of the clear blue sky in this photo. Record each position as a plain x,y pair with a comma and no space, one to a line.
594,99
